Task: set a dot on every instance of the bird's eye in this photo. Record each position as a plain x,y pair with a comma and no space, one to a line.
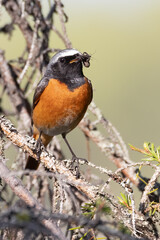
76,55
62,60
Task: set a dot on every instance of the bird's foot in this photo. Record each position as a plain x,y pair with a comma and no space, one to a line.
38,148
77,159
75,164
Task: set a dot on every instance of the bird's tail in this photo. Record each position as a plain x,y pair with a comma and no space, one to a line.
32,163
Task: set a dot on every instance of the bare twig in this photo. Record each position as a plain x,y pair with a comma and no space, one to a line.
23,8
148,188
107,147
113,133
59,34
32,88
132,165
18,188
59,7
96,224
31,53
0,7
16,185
17,99
14,11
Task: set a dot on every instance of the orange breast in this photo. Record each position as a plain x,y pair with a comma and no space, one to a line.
59,109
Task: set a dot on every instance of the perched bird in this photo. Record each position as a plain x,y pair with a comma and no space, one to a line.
61,99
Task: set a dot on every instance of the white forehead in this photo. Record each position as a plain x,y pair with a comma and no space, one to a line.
64,53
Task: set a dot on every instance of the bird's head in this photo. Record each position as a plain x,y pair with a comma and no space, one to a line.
68,64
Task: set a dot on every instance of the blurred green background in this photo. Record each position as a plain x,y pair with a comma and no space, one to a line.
123,37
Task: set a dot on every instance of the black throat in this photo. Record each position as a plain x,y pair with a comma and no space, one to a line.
72,77
74,82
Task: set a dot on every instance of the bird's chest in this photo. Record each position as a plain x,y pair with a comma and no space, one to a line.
61,108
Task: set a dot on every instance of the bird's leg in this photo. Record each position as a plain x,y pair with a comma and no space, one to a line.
38,145
74,157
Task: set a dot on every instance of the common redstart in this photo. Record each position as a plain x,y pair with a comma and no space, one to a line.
61,99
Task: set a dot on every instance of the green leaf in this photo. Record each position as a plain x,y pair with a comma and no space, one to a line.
75,228
124,197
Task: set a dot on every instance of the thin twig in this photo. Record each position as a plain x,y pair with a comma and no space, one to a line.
31,53
0,8
23,8
113,132
148,188
146,163
32,88
107,147
19,102
18,188
61,14
59,34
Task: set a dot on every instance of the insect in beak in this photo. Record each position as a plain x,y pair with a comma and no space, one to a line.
86,59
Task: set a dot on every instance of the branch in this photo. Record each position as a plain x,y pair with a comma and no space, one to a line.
27,144
88,191
60,11
31,53
115,148
14,11
148,188
34,9
18,188
17,98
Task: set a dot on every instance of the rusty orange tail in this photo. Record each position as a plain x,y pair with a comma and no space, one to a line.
32,163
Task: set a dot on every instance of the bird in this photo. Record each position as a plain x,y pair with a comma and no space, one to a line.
61,99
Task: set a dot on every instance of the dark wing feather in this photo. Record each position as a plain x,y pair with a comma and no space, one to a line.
89,81
39,90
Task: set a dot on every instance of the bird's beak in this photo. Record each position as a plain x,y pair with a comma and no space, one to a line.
85,58
74,60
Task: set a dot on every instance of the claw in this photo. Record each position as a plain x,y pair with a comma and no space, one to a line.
74,157
75,161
